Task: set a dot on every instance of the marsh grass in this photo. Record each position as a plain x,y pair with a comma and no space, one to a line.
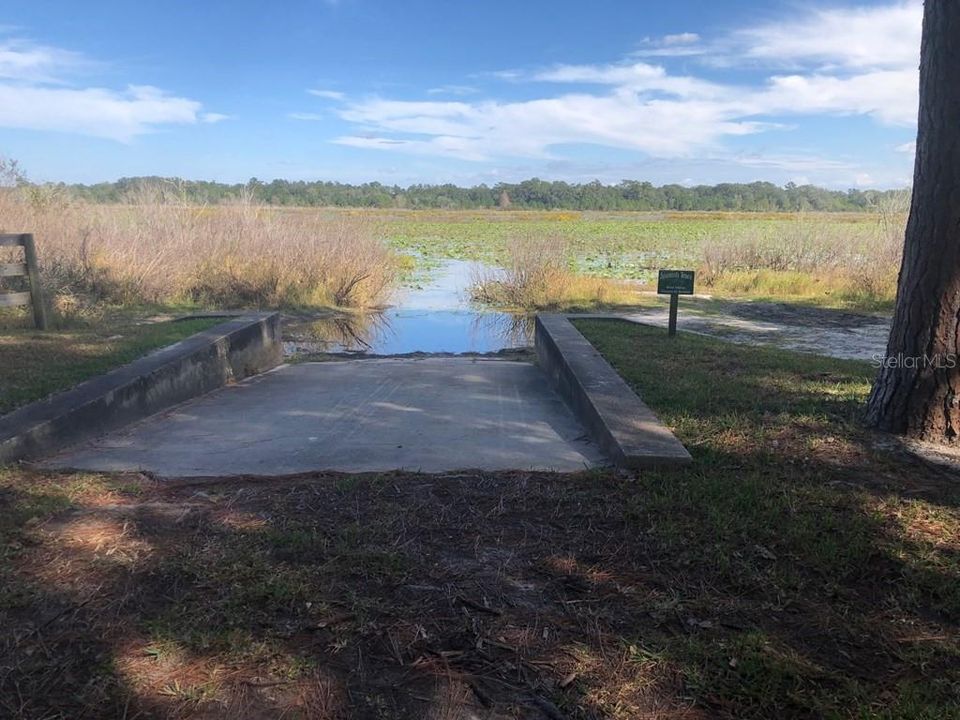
157,249
845,260
537,276
811,259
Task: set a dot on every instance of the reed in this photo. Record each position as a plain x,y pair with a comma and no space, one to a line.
158,249
810,259
537,275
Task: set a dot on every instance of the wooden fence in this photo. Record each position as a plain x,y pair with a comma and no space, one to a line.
29,269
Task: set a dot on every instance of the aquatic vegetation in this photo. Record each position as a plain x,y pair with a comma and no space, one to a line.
848,260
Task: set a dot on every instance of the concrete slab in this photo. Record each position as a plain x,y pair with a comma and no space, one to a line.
614,415
431,415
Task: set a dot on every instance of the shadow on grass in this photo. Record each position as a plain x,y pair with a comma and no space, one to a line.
785,407
410,596
794,314
794,570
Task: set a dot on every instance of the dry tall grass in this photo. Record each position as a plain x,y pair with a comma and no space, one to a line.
537,276
812,258
157,249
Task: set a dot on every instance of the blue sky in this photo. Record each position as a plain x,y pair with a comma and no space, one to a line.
462,91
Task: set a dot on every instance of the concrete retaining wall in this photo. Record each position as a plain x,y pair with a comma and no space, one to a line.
614,416
230,351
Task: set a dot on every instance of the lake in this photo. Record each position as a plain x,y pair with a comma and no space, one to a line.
435,316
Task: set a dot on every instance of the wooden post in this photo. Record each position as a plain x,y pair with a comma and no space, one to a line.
33,275
29,268
672,325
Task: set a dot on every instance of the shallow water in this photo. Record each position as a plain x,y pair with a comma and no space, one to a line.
433,317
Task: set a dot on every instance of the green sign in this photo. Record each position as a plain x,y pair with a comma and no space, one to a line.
675,282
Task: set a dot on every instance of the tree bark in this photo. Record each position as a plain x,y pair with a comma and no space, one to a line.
917,389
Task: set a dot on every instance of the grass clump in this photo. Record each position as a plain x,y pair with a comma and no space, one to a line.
537,276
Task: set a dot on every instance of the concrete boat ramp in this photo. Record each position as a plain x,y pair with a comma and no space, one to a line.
568,412
430,415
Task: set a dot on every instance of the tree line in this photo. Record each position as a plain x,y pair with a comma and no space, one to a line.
534,194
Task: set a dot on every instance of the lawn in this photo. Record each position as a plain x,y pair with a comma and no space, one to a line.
36,364
827,568
796,570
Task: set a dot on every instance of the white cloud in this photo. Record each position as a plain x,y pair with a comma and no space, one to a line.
636,77
36,93
327,94
844,62
27,62
890,96
305,116
93,111
453,90
529,129
677,45
636,74
791,163
851,38
908,148
684,38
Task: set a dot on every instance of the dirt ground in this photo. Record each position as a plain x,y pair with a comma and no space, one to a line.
823,331
407,596
512,595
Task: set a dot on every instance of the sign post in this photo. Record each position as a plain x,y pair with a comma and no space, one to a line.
674,283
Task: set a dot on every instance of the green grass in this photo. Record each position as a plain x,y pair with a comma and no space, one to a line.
789,504
795,570
36,364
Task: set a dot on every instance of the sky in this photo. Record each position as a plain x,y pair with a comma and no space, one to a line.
462,91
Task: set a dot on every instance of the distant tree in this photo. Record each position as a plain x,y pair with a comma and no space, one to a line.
533,194
10,173
917,390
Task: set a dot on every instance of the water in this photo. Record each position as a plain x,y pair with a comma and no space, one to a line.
435,317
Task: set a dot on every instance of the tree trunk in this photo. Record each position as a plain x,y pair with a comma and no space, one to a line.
917,390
